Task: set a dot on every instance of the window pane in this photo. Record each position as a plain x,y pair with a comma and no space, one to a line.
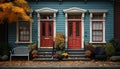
70,28
43,28
74,16
77,29
50,28
98,16
46,16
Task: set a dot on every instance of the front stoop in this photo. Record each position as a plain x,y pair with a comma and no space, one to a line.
45,54
77,54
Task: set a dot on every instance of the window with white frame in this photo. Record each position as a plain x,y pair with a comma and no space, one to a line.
97,27
24,32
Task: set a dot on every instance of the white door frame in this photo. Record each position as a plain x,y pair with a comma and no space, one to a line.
72,11
46,10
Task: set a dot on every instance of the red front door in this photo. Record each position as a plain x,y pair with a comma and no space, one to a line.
46,32
74,34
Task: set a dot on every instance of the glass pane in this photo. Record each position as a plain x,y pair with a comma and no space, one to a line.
46,16
24,31
97,25
70,28
97,15
77,29
74,16
50,28
43,29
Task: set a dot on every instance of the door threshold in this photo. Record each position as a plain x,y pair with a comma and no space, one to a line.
46,47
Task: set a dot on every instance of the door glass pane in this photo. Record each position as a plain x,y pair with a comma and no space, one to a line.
50,28
77,29
43,29
70,28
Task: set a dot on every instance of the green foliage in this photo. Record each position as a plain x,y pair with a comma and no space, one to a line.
110,50
60,41
32,46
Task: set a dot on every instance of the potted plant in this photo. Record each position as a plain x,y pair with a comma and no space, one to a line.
60,47
33,50
87,53
34,53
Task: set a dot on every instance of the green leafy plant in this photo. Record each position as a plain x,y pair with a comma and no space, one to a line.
109,49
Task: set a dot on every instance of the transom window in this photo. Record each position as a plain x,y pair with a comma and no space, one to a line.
23,31
74,16
46,16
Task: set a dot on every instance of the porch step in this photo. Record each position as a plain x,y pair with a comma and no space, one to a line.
69,59
45,53
77,54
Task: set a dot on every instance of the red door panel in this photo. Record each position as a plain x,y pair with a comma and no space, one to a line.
74,34
46,32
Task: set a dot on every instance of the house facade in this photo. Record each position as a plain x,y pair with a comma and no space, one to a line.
79,20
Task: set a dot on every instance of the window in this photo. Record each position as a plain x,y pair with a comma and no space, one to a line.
97,26
23,32
97,31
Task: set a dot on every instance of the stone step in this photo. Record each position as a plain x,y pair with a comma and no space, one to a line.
45,49
75,50
44,56
66,59
76,53
45,53
76,56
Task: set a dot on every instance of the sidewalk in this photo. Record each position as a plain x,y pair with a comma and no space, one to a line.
59,65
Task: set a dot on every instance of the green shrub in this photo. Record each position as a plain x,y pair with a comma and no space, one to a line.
109,49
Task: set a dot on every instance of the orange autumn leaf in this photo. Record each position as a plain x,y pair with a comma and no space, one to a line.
14,10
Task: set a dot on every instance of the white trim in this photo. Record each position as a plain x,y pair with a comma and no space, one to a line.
54,25
17,33
91,15
46,10
78,11
38,15
98,10
42,11
74,10
66,31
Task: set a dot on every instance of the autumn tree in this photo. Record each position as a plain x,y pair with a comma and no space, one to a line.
12,10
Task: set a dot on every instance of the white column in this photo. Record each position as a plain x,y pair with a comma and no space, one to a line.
38,16
66,31
104,15
54,26
90,27
82,23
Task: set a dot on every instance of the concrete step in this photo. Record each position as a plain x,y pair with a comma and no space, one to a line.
45,49
76,53
44,56
45,53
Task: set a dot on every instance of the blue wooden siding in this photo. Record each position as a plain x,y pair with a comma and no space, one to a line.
60,19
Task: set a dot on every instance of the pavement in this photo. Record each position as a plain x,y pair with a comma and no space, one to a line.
59,65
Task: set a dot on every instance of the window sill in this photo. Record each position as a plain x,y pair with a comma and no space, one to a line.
97,42
23,42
